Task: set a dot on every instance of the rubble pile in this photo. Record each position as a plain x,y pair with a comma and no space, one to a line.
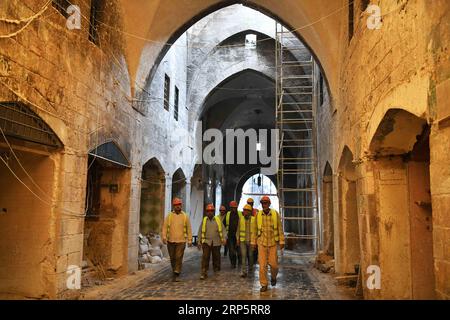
151,250
324,263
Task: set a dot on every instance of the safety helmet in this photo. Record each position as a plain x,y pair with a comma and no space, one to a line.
233,204
210,207
250,200
265,199
177,201
248,207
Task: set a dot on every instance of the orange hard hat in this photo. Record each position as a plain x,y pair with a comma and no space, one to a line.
176,201
265,199
223,208
233,204
210,207
248,207
250,200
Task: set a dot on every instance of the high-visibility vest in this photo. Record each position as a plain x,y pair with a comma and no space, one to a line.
170,221
242,226
227,218
219,224
274,215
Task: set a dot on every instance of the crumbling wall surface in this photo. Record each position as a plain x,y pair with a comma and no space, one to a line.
80,90
27,235
405,64
106,237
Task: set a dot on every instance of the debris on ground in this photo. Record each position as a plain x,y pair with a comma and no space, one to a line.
151,250
324,263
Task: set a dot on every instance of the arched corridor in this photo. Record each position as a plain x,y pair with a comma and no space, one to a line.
336,110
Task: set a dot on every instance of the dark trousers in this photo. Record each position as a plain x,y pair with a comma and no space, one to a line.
234,250
255,255
176,253
207,252
225,250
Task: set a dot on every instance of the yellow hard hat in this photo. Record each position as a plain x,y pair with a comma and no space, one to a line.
250,200
248,207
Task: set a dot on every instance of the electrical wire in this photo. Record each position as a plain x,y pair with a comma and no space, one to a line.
20,164
28,21
68,212
238,45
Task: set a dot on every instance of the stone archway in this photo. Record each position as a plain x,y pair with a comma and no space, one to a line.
347,250
401,159
30,156
327,210
179,185
107,209
153,185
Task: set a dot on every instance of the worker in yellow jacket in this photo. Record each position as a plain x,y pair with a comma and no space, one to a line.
176,232
211,237
269,234
246,228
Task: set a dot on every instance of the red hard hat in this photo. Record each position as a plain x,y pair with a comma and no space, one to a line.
233,204
265,199
210,207
176,201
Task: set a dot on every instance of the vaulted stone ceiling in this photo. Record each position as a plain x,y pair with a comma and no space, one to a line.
148,25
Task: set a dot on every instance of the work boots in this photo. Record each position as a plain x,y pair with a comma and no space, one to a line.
175,277
273,282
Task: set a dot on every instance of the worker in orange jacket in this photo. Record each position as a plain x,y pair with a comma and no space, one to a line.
269,234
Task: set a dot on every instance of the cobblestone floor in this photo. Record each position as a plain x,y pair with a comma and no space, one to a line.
295,281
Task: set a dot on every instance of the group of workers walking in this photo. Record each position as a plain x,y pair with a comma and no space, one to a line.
247,236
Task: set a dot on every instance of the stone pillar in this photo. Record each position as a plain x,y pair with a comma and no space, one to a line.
391,229
337,224
327,215
168,196
440,191
187,205
368,222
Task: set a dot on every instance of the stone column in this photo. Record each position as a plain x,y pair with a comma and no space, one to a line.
168,196
187,205
440,191
368,222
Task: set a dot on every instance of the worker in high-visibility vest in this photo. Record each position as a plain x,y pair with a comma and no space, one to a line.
176,232
247,226
251,202
269,234
211,236
231,224
223,214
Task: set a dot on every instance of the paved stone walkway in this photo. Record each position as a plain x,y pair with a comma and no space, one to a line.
295,281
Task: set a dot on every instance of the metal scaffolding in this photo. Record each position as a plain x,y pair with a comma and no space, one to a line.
296,122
